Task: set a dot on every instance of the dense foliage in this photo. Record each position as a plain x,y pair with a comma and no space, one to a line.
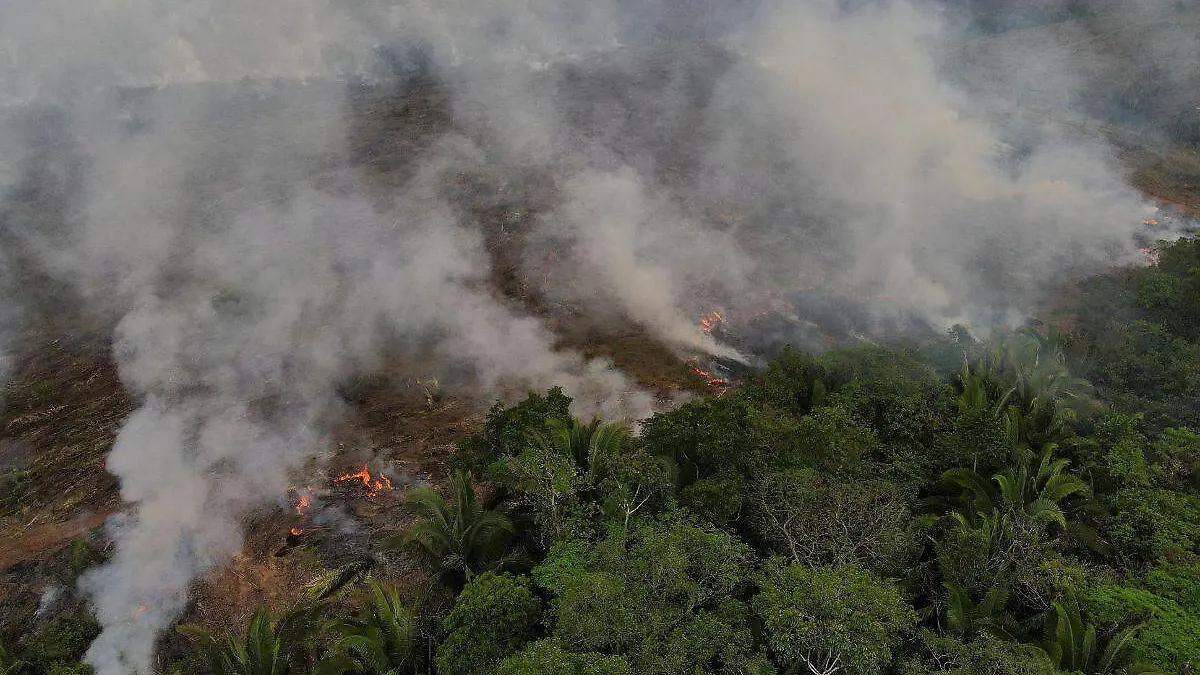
1029,504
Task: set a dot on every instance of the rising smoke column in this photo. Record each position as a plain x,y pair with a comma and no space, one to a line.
841,132
249,271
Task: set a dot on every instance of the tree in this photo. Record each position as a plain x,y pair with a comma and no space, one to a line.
1170,638
1150,523
791,382
506,430
821,521
585,444
1073,645
379,641
967,619
550,657
1176,459
597,458
269,647
831,619
492,618
1113,456
10,664
1027,371
985,655
727,435
545,480
1025,489
655,591
459,538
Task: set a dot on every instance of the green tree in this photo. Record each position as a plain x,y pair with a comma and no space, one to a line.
817,520
657,592
62,640
270,647
985,655
550,657
1176,459
791,382
491,619
1149,523
967,619
586,444
545,480
831,619
1073,644
459,537
728,436
1032,488
1113,456
506,430
9,663
379,641
1171,636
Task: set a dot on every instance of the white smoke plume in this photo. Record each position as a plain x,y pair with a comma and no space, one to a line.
902,172
250,265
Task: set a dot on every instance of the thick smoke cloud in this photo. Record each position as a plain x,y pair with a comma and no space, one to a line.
681,161
904,172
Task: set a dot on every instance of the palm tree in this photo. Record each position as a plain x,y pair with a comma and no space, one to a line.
1036,492
587,444
1073,646
378,642
1026,372
967,619
459,537
276,647
269,648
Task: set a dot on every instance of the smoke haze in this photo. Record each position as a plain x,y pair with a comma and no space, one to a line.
195,175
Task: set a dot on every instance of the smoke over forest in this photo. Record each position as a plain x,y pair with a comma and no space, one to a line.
261,205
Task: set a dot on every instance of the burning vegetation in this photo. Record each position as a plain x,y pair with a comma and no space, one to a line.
372,484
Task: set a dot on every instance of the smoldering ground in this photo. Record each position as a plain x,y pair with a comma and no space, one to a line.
205,191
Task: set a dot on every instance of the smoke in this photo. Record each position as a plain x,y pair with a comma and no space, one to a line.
900,172
204,192
245,314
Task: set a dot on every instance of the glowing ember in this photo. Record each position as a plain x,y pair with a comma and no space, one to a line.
708,320
295,531
1152,221
374,484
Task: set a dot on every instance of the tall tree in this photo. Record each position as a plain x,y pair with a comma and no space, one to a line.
459,536
831,619
379,641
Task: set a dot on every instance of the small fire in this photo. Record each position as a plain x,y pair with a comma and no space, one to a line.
140,610
1151,221
296,532
709,320
302,503
374,484
712,380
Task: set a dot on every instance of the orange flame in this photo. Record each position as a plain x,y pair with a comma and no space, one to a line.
708,320
709,378
302,503
295,531
373,484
